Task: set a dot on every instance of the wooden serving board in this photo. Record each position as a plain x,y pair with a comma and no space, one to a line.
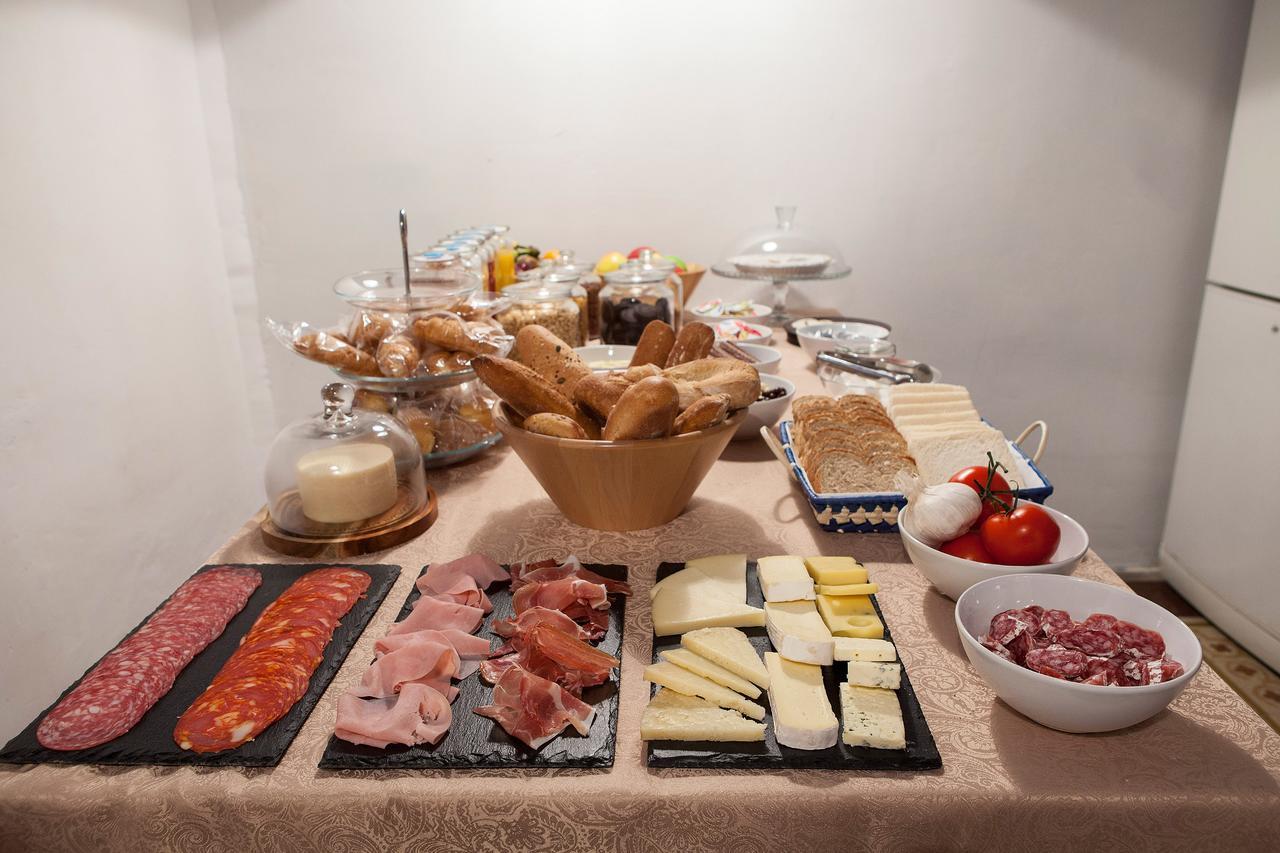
921,752
396,526
151,740
479,743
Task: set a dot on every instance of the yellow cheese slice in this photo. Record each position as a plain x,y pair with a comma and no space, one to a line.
719,585
683,681
699,665
729,648
729,570
687,607
835,570
851,616
848,589
675,716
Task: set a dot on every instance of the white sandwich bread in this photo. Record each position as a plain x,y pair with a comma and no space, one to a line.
802,715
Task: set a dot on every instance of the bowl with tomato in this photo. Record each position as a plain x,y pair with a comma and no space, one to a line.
1029,539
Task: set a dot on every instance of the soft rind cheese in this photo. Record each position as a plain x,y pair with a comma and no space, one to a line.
784,579
798,632
802,715
729,648
687,607
675,716
848,589
856,648
870,673
872,717
851,616
835,570
699,665
683,681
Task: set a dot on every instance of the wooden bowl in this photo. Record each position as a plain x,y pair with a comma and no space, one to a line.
619,485
690,279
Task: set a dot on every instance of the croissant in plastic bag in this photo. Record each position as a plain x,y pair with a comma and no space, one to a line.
325,347
450,332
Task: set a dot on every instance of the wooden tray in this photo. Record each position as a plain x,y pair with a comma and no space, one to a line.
401,526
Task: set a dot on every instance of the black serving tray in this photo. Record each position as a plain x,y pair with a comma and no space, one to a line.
921,752
151,740
479,743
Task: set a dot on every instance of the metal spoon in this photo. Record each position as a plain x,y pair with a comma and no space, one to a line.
404,250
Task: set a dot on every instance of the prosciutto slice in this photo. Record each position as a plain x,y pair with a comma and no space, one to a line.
441,577
578,599
511,628
470,648
523,574
534,710
418,714
424,660
437,614
556,656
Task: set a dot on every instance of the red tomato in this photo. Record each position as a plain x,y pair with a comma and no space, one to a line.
967,546
975,477
1027,536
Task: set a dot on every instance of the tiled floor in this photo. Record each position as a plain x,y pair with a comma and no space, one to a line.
1253,680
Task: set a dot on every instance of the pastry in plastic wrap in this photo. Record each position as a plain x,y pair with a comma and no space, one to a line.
369,328
328,349
397,356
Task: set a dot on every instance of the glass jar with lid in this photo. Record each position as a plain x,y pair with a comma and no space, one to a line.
591,283
347,471
632,297
552,304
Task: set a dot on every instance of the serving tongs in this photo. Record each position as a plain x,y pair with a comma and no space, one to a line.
872,368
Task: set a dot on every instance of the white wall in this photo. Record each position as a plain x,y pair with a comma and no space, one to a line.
1026,190
125,437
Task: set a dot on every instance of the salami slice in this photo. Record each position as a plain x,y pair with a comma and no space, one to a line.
122,687
1139,642
272,669
1055,621
1058,661
1089,641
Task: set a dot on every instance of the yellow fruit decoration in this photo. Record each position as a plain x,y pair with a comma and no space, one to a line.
551,255
610,262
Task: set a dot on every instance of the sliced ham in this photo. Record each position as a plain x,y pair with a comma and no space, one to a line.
423,660
464,591
440,577
523,574
470,648
534,710
436,614
418,714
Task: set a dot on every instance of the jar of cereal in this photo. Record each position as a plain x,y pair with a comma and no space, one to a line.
547,303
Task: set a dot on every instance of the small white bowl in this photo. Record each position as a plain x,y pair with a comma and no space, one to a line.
1065,705
826,336
726,329
765,413
757,310
953,575
766,358
602,357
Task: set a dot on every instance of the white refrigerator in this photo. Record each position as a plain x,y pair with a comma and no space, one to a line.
1221,545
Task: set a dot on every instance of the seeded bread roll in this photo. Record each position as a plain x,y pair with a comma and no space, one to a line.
545,423
703,414
647,409
654,345
520,388
694,342
551,358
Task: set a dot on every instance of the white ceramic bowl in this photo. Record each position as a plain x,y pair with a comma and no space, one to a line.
727,329
1065,705
767,358
757,310
826,336
953,575
601,357
765,413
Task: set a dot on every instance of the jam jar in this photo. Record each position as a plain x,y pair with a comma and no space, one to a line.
632,297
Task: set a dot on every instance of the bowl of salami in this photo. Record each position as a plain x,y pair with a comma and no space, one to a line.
1075,655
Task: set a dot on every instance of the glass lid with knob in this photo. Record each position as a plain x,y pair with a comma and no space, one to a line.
442,288
782,250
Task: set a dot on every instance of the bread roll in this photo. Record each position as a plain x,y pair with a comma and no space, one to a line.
647,409
519,387
718,376
551,358
705,413
559,426
654,345
694,342
599,392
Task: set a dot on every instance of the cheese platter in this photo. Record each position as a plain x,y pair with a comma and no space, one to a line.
755,668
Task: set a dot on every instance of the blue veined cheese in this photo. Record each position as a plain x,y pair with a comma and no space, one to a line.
872,718
784,579
858,648
869,673
802,715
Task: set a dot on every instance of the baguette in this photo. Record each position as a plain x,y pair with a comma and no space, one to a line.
536,347
522,389
647,409
654,345
694,342
599,393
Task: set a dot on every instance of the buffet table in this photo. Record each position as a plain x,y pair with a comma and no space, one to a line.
1205,773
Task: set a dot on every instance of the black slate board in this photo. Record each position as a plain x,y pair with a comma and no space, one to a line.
921,752
479,743
151,740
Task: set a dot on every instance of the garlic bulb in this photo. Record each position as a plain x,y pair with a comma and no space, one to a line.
941,513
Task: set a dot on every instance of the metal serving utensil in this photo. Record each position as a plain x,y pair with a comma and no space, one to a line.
861,369
404,250
917,370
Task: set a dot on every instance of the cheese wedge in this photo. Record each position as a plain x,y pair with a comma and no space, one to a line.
699,665
854,648
683,681
835,570
798,632
870,673
711,579
675,716
802,715
729,648
872,717
848,589
784,579
851,616
686,607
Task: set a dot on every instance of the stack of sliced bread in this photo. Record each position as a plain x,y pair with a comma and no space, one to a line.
944,433
848,445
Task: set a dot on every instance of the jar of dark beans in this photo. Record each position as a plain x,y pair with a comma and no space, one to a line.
632,297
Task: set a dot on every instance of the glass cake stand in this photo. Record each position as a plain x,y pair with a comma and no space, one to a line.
781,255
